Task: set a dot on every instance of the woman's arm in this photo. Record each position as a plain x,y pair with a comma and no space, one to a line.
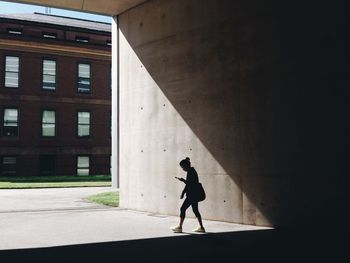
182,194
181,179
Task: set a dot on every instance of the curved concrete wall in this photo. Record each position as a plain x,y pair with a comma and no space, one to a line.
238,86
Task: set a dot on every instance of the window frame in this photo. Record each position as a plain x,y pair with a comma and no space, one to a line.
18,73
42,74
48,35
2,165
14,31
3,121
82,39
90,77
77,163
90,124
42,115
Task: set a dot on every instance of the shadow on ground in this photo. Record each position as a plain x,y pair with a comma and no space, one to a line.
245,246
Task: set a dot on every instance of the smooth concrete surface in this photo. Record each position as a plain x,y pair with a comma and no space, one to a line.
251,92
182,67
115,104
104,7
170,107
59,217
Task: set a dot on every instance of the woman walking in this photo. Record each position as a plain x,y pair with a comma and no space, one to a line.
190,190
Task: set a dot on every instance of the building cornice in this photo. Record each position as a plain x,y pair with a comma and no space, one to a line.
34,98
54,49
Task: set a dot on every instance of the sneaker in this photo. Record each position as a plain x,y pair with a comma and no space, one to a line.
176,229
199,230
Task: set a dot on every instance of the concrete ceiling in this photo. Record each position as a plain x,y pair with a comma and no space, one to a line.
104,7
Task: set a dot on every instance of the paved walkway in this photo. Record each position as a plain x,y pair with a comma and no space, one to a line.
58,225
61,216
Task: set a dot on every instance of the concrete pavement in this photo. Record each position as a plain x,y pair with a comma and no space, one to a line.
18,200
61,216
58,225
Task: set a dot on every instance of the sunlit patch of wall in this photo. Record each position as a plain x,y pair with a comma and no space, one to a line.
154,137
207,81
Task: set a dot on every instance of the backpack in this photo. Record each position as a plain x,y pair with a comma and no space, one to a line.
200,193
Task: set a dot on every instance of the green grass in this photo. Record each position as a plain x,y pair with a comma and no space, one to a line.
108,198
54,181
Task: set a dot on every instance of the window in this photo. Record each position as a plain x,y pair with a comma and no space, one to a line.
47,165
83,165
14,31
84,78
82,39
49,123
8,165
10,124
83,123
11,72
49,35
49,74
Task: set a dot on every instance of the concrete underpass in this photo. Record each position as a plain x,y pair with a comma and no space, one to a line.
253,92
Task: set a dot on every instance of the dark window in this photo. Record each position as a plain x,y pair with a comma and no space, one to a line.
83,123
83,165
14,31
47,165
84,78
11,72
10,122
82,39
49,35
49,74
8,165
48,123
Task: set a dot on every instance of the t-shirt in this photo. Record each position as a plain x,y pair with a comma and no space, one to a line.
191,182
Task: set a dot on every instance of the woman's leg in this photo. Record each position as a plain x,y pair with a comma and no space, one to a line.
196,212
186,204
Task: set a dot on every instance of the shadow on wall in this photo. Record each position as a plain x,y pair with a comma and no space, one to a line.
250,246
257,85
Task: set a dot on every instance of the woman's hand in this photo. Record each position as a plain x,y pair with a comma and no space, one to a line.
180,179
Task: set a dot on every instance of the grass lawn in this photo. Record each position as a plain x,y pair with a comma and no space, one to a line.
54,181
108,198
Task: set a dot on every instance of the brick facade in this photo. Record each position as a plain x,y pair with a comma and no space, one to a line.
29,147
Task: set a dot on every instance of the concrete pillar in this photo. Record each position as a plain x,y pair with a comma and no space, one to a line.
115,104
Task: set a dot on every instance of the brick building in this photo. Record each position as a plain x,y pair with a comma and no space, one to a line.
55,95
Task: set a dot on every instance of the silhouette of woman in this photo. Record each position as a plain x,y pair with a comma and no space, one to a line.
191,182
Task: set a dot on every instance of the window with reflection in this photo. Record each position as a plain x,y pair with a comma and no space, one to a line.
83,165
84,78
10,122
83,123
11,72
48,123
49,75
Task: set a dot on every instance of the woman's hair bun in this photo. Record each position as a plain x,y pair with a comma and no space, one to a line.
185,162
